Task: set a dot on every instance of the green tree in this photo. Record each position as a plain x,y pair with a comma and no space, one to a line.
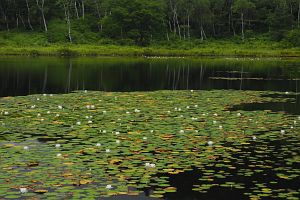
134,19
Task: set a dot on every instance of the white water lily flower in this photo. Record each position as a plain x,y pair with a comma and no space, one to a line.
147,164
181,131
85,91
42,119
104,131
168,111
57,115
26,148
107,150
214,122
78,123
38,114
179,109
216,114
92,107
104,112
37,99
196,106
6,113
60,107
137,110
299,118
151,131
88,107
23,190
98,145
192,90
109,187
203,114
210,143
196,131
33,107
239,114
127,112
292,127
282,131
118,141
152,165
145,138
44,95
117,133
57,145
58,155
51,95
90,122
220,127
187,107
48,112
286,92
295,122
254,137
87,117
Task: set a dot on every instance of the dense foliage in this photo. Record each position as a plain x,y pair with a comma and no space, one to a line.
142,21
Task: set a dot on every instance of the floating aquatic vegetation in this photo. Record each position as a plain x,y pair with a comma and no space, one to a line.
98,144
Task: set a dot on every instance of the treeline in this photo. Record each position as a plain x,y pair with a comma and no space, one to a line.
142,21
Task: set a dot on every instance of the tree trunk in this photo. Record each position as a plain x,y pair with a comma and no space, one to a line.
174,22
83,9
28,16
17,21
178,26
170,25
5,19
242,18
214,29
189,35
201,32
44,21
41,8
98,15
76,9
67,15
22,20
229,19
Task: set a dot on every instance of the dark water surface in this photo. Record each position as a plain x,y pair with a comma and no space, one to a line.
27,75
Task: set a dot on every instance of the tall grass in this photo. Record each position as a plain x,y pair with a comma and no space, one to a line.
37,44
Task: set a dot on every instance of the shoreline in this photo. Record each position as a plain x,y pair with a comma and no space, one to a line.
135,51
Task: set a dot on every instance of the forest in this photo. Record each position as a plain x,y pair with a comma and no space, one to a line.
142,22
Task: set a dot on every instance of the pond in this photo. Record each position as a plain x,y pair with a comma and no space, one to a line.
149,128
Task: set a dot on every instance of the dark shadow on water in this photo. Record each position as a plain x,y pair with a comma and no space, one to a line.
291,106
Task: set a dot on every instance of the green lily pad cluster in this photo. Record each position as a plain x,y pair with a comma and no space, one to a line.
100,144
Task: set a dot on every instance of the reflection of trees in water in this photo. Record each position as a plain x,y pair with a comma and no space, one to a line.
57,75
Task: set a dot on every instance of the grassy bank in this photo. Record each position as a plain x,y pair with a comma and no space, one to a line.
37,44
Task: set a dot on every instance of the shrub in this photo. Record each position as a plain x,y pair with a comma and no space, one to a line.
293,37
57,31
